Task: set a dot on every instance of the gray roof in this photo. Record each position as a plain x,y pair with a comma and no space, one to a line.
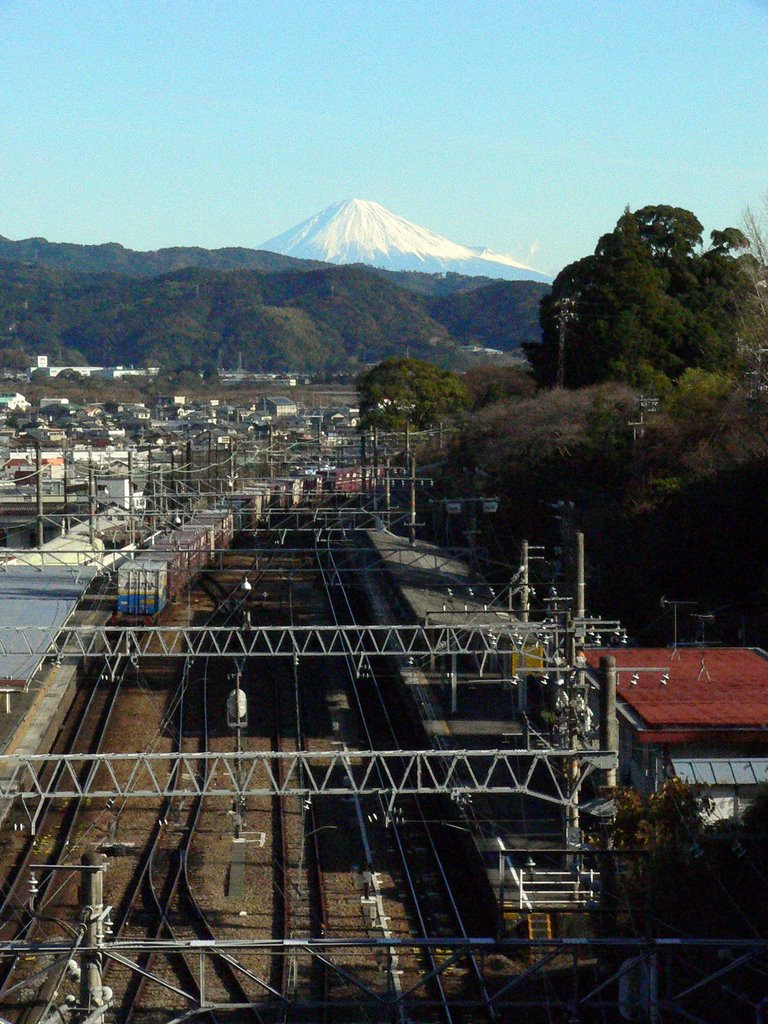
32,597
722,771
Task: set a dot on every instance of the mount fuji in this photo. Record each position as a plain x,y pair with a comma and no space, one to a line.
361,231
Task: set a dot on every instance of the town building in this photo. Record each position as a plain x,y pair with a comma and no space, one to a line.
698,713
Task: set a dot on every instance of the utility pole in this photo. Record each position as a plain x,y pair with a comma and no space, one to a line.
363,464
565,313
39,495
151,496
412,502
66,493
92,899
173,483
472,531
270,434
209,471
580,583
375,482
131,504
609,727
91,499
525,589
189,469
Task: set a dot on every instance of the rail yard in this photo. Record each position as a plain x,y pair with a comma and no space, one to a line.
298,764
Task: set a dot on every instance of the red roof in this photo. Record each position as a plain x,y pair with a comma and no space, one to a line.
710,688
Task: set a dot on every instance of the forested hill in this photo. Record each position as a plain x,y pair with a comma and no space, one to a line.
113,258
330,318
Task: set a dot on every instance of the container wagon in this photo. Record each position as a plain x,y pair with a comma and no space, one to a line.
159,574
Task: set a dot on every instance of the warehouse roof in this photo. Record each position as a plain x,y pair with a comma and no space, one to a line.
31,598
693,687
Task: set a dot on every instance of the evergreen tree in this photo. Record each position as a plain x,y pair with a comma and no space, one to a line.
647,305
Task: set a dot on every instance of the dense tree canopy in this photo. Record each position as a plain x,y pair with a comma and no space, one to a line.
335,318
402,390
646,306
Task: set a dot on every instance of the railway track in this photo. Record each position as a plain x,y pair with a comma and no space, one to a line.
167,887
422,870
84,729
323,862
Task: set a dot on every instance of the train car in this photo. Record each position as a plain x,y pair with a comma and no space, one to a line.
142,586
159,574
347,480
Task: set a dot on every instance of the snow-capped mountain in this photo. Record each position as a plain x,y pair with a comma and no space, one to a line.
361,231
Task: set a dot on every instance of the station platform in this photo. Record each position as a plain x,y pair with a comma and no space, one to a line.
36,692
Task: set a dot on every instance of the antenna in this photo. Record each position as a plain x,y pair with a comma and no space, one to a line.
667,602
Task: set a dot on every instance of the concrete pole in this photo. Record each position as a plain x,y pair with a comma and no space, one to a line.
270,435
375,482
609,726
188,458
412,502
173,483
66,493
525,589
572,769
219,477
472,531
580,584
209,462
363,463
92,898
131,504
151,496
39,495
91,499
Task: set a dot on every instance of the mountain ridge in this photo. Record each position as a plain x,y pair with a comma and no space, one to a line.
331,318
364,231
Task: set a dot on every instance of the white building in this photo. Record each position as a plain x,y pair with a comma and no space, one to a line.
14,402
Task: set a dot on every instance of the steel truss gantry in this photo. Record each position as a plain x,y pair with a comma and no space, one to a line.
394,773
526,983
489,636
346,559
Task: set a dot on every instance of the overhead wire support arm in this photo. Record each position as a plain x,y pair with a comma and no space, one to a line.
269,641
537,773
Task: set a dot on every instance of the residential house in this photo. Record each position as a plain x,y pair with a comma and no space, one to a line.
698,713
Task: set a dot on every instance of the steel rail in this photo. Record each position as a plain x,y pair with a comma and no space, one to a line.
436,971
32,917
350,666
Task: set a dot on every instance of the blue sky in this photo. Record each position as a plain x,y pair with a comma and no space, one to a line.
524,126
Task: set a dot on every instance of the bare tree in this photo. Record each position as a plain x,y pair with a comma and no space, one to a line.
753,330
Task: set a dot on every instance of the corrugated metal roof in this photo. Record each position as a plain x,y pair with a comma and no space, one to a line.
31,597
722,771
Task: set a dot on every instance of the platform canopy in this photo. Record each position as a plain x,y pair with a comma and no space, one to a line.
35,597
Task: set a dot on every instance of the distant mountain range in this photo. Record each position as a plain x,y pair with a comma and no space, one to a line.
361,231
192,308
